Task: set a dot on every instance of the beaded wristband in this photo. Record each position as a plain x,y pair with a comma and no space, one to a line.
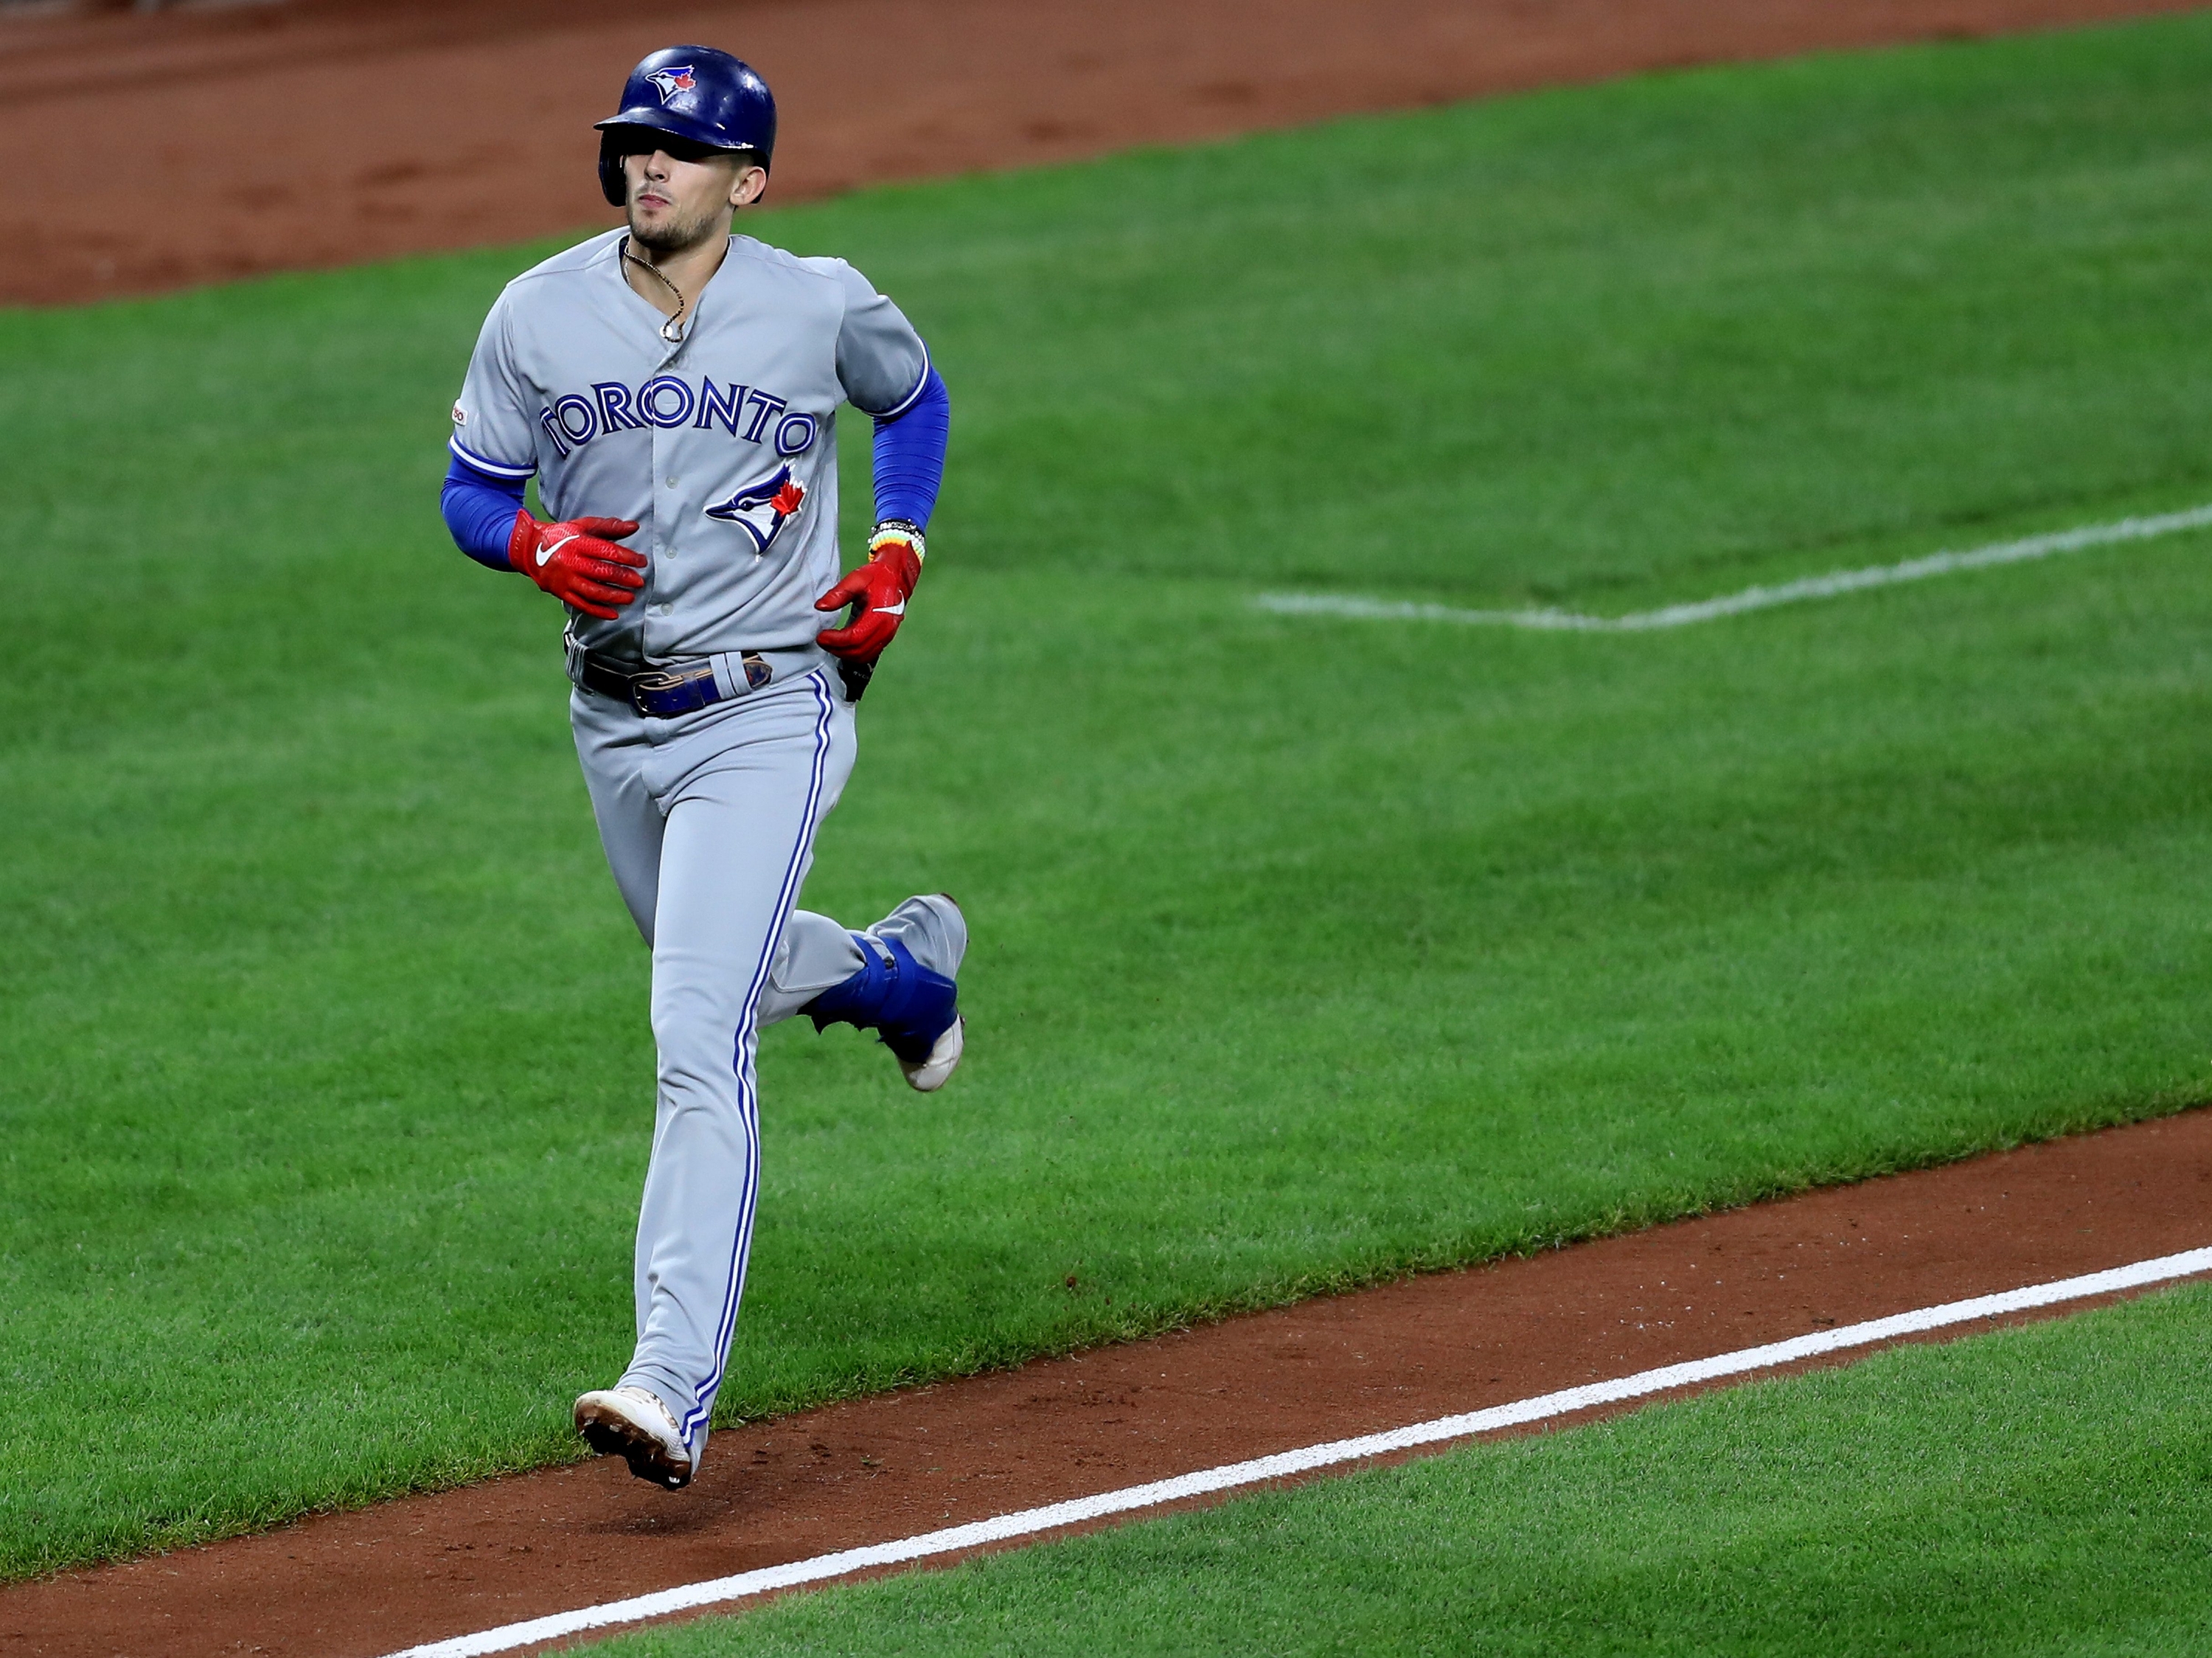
898,529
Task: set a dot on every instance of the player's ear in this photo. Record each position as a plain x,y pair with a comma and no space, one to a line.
746,189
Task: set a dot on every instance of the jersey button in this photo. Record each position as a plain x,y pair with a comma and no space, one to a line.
671,482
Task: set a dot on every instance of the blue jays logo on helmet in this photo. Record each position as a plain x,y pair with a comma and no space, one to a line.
698,94
762,508
672,80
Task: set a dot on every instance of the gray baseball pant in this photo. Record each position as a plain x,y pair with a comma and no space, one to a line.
709,820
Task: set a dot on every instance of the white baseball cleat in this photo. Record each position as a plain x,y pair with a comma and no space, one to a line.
929,1075
634,1425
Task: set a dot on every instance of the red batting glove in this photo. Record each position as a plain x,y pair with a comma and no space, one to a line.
577,560
879,591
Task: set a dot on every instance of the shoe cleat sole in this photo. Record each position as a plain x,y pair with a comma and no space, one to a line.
605,1421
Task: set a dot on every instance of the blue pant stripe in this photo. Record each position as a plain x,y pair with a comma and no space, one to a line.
743,1059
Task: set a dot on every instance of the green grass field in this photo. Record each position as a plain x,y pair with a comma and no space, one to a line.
2042,1490
1306,953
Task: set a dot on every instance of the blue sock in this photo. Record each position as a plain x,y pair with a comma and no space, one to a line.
908,1006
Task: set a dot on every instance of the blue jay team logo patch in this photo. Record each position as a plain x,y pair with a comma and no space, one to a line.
761,509
673,81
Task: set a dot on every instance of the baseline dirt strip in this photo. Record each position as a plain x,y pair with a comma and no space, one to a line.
877,1470
1569,1401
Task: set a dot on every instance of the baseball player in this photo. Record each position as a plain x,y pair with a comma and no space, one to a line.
673,387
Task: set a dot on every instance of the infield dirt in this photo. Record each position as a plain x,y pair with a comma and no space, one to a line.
209,143
361,1584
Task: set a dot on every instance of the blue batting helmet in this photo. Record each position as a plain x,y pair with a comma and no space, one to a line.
695,93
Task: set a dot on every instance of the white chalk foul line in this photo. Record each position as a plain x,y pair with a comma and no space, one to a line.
1735,604
1030,1521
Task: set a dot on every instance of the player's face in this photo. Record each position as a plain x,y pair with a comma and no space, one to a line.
679,196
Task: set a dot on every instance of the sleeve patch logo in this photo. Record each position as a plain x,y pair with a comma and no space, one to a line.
762,507
460,416
673,81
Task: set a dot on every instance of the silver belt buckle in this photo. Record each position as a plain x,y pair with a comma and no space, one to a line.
656,682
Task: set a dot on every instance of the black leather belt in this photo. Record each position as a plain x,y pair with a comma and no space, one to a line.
660,693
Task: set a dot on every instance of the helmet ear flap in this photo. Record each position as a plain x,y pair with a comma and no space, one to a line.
613,185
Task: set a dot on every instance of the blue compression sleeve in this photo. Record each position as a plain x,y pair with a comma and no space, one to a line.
909,462
480,512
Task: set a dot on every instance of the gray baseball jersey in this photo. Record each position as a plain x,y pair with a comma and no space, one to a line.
722,446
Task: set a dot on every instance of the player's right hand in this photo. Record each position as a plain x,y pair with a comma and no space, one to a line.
577,560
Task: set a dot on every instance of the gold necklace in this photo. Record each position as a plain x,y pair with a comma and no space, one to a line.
669,330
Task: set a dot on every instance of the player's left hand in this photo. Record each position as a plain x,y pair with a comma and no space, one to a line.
878,590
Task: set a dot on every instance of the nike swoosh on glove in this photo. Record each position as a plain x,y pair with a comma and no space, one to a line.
577,560
879,591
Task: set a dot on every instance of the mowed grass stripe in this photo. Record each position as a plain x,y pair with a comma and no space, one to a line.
2035,1491
1303,959
1835,585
